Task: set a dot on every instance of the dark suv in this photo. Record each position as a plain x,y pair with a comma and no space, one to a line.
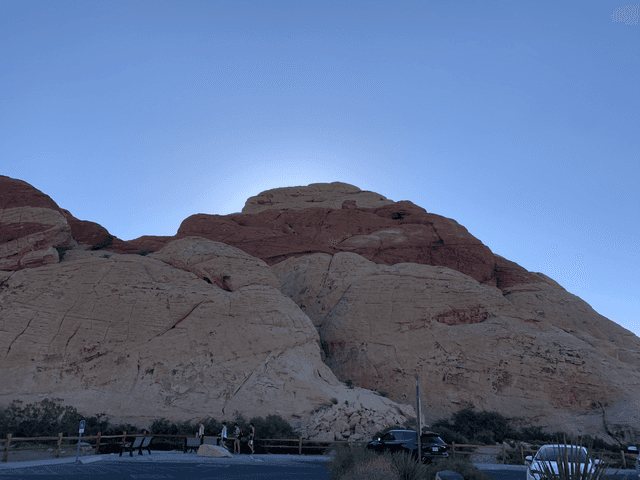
406,440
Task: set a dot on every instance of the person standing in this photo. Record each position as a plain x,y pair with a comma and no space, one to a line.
223,435
252,434
200,433
236,440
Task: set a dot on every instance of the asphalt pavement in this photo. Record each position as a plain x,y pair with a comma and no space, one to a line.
181,465
176,465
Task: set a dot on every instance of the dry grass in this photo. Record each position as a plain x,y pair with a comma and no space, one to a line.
378,468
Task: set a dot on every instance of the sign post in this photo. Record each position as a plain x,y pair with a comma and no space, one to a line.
419,420
80,431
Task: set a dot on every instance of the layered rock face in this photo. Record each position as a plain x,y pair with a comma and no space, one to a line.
139,337
381,326
269,310
32,227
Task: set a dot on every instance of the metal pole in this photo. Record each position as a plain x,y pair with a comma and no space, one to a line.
78,450
419,420
80,432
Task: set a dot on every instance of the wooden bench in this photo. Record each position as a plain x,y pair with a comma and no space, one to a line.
191,444
139,443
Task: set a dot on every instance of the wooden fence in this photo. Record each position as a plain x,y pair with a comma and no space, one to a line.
268,443
300,443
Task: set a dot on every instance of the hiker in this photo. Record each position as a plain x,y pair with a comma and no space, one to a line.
236,440
200,433
223,435
252,434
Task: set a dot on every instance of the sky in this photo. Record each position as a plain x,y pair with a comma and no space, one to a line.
519,120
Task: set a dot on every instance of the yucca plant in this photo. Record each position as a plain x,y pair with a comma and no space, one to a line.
568,465
405,466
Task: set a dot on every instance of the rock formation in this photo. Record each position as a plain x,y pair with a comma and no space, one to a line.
207,450
270,310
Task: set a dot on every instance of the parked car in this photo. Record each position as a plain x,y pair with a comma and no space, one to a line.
406,441
432,446
636,451
551,455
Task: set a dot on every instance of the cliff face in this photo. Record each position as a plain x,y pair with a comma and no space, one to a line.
220,317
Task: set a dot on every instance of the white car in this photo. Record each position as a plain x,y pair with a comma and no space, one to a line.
635,450
551,455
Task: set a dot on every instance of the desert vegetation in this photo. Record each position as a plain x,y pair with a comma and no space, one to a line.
47,419
363,464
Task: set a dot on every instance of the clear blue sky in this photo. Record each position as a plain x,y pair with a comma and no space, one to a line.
520,120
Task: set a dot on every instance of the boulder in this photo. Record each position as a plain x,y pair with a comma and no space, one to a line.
213,451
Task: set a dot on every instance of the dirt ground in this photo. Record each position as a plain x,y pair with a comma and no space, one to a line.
42,452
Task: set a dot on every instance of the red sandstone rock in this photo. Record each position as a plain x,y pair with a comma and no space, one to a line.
397,233
32,227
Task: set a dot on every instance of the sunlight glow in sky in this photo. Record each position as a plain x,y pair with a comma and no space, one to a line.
520,120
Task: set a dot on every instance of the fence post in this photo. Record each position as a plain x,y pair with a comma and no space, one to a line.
6,448
504,452
98,442
300,445
522,453
59,442
453,449
624,463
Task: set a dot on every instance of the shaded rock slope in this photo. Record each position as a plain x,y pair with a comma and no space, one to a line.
272,309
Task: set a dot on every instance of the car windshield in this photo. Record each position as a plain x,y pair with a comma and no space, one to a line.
431,439
552,454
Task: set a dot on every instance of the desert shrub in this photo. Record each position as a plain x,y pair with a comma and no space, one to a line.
534,434
463,466
483,437
377,468
162,426
144,253
274,426
406,467
345,459
450,436
470,423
